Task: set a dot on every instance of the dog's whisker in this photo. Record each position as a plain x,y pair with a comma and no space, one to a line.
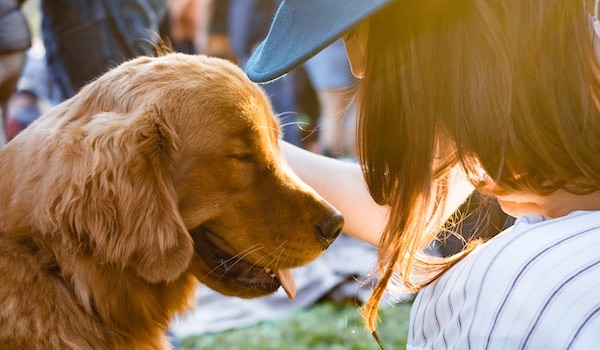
241,256
280,251
276,259
298,123
282,114
236,258
303,126
310,133
266,269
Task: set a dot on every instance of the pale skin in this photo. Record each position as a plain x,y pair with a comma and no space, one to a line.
556,204
343,185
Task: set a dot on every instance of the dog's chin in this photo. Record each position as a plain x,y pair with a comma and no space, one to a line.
230,274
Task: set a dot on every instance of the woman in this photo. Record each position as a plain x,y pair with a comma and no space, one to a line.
505,94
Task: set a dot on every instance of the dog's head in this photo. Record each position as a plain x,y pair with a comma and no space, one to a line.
172,164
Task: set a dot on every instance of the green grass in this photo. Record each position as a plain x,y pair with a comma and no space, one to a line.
325,326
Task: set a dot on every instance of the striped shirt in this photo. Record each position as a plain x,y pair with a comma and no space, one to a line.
533,286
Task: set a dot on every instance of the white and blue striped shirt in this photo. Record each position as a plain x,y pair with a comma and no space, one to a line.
534,286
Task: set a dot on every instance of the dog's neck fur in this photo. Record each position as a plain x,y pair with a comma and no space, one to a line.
144,314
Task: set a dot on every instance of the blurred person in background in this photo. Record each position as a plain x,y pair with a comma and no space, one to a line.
34,93
15,39
335,86
184,21
85,38
245,23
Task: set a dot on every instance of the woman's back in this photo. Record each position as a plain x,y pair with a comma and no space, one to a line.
534,286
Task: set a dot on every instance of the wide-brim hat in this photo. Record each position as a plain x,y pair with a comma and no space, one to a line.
302,28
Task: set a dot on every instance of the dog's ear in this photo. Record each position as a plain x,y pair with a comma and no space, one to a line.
122,204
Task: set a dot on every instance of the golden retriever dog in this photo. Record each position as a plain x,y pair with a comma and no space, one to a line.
163,173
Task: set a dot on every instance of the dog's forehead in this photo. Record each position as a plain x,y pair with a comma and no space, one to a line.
259,125
229,124
252,109
208,95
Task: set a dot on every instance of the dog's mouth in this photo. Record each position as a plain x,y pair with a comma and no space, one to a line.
226,265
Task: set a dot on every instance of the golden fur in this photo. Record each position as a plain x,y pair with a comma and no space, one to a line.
162,172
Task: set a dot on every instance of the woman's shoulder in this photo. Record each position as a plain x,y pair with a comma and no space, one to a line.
573,221
535,238
535,256
533,244
540,275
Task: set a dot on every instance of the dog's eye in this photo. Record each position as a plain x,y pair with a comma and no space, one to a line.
243,157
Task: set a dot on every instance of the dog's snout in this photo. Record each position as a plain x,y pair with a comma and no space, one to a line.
329,228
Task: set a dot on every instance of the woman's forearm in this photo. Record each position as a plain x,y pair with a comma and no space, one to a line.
342,184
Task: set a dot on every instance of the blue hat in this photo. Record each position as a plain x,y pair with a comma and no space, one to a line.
302,28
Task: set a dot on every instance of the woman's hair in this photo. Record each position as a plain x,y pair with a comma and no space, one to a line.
508,86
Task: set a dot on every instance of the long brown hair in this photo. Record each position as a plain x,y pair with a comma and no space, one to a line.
510,87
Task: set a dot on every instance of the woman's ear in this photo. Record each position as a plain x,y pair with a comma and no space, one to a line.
356,46
123,202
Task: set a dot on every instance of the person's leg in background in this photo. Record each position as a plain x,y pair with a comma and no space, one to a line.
85,38
11,65
23,109
247,24
15,38
330,75
282,93
183,24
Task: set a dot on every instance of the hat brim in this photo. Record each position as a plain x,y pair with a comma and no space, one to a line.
302,28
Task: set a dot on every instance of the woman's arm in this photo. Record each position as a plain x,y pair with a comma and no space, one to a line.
342,184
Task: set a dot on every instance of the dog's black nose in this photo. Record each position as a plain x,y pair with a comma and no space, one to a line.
329,228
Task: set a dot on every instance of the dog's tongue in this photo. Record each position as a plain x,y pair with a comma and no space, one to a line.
287,282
